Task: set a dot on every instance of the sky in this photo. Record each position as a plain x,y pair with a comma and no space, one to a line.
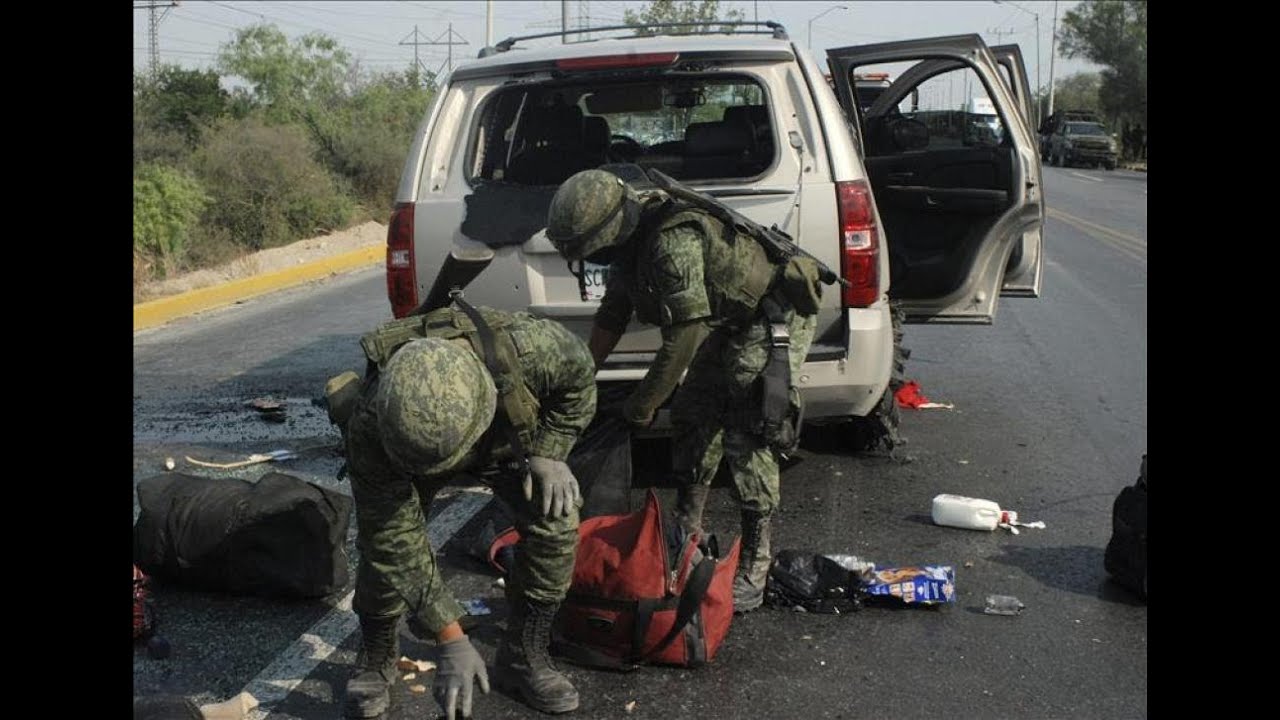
191,33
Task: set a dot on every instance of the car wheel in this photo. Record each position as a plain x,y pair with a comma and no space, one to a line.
879,429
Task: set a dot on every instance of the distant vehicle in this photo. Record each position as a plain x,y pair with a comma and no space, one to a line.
1051,124
1075,140
981,123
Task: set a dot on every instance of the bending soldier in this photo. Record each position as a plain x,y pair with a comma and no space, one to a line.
442,397
724,308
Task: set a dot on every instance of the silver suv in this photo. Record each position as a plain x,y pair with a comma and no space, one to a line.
882,195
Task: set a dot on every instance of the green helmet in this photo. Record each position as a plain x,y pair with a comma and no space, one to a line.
592,211
434,401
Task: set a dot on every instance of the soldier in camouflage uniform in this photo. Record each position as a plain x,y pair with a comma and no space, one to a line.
672,266
428,409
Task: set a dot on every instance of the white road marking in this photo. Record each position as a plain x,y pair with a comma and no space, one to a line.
314,646
1082,175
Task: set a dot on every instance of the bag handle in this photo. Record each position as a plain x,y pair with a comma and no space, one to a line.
695,591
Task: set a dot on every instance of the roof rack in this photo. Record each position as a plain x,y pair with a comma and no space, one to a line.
774,28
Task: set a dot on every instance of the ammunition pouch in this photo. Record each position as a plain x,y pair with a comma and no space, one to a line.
781,411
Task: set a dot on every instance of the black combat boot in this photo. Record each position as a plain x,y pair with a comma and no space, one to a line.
524,666
368,693
753,563
690,502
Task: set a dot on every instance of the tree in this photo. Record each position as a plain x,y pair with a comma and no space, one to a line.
1079,92
1112,33
181,100
704,12
287,78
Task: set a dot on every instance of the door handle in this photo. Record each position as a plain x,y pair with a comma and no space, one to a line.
900,177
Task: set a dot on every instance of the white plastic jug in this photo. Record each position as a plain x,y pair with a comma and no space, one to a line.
970,513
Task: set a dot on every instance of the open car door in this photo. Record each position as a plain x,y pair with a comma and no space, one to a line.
957,184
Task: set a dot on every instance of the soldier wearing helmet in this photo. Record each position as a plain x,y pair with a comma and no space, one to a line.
672,266
433,404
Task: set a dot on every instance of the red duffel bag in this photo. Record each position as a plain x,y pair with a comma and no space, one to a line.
635,599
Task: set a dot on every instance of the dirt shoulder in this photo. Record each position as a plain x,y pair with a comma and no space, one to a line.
358,237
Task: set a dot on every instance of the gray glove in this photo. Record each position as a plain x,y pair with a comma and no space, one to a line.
559,487
459,664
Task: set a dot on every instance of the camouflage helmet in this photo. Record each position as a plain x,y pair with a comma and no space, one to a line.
593,210
434,401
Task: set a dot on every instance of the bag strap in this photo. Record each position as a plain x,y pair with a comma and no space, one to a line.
489,343
695,591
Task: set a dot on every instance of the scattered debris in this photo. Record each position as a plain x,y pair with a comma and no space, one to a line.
1003,605
273,456
968,563
417,689
806,637
169,463
909,396
409,677
404,664
476,606
912,585
237,708
500,583
630,706
976,514
963,462
268,409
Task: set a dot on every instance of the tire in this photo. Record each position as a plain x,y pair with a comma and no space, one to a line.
878,431
1055,159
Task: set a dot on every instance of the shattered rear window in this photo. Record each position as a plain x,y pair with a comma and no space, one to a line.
689,127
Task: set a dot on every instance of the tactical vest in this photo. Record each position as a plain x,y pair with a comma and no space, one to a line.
738,274
517,405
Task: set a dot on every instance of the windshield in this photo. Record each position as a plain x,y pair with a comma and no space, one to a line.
1081,128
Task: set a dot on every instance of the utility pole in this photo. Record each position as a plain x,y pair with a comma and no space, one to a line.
1053,51
999,33
417,64
756,7
584,18
564,21
448,35
153,30
488,23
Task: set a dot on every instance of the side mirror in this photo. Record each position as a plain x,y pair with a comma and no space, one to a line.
909,134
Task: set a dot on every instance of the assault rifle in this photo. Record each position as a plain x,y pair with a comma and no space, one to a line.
777,244
459,269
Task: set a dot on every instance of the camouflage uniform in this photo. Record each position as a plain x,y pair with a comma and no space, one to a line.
702,295
398,571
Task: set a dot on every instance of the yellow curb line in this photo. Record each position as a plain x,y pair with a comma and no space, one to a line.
161,310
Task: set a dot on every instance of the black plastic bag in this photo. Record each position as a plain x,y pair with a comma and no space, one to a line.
278,537
1125,558
601,461
813,582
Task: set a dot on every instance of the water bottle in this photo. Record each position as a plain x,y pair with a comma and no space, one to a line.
970,513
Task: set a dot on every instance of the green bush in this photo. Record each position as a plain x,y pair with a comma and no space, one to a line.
267,188
166,206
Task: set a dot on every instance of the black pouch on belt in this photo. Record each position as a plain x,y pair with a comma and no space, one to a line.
781,417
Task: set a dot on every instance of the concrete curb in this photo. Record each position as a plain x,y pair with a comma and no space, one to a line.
161,310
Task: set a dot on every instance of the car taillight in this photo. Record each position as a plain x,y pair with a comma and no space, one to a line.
859,243
402,282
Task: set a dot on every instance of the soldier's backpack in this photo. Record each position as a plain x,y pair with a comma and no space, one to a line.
1126,555
278,537
643,594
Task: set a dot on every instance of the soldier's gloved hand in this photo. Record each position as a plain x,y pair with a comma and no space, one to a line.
458,667
559,487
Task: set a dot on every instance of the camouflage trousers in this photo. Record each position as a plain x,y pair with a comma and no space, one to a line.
398,572
716,410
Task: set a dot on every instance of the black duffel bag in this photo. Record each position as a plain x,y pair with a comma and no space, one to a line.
1126,555
279,537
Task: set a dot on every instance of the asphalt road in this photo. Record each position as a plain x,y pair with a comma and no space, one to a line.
1049,420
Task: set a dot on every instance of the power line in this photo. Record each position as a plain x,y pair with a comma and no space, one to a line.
449,35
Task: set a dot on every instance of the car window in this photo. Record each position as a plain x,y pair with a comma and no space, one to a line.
953,106
689,127
1085,128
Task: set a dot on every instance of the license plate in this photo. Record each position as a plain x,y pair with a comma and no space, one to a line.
595,277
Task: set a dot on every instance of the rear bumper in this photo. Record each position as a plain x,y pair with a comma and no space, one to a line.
839,388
